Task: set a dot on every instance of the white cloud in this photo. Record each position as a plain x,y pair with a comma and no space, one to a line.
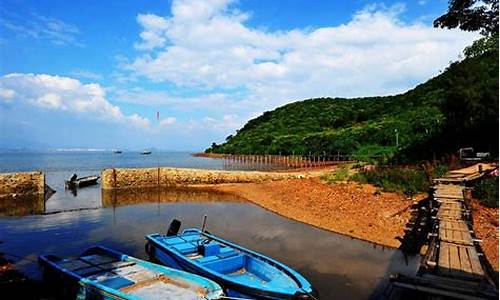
227,123
85,74
153,36
7,94
167,121
206,44
51,101
65,94
40,27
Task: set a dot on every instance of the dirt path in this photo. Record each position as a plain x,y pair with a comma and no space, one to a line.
486,229
352,209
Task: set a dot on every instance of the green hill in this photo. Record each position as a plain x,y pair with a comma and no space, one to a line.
456,109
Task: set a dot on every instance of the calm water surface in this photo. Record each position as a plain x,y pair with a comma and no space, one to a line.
340,267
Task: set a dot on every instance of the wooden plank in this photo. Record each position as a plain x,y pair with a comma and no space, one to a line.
465,263
452,205
456,192
454,259
453,225
444,259
449,214
455,236
448,196
445,211
476,266
459,261
449,192
448,200
449,188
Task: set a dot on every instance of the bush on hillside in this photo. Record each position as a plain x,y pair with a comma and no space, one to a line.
486,190
408,181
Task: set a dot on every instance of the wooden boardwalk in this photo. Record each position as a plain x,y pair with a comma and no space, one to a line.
452,266
457,256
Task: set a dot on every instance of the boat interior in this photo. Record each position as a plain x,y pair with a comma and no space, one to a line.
234,264
130,278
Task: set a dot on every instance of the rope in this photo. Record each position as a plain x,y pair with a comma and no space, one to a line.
310,295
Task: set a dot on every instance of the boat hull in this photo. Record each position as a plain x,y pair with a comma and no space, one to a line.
82,182
168,257
101,273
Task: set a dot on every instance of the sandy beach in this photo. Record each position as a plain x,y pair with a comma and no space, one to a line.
360,211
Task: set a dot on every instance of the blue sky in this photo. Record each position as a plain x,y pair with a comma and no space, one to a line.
93,74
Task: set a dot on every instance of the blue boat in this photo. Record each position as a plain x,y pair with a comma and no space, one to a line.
241,272
102,273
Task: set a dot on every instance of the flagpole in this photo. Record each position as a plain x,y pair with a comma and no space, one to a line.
158,160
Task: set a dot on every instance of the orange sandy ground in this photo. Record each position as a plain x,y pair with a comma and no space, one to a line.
356,210
486,229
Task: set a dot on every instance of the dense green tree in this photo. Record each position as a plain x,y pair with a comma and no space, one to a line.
471,15
455,109
458,108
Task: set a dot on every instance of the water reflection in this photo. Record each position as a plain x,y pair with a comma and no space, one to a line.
340,267
113,198
72,199
21,205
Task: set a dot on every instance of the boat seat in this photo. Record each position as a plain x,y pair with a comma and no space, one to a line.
227,254
191,237
98,259
84,272
226,265
117,282
186,248
73,264
173,240
111,280
207,259
116,265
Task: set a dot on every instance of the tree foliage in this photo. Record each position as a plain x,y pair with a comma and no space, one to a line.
482,45
458,108
471,15
455,109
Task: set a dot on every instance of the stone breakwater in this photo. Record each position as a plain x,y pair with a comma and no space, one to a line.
22,193
27,183
153,177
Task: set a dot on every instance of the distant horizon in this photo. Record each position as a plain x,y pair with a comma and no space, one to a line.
182,74
76,149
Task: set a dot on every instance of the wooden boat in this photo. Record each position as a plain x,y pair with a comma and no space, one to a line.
145,152
241,272
82,181
102,273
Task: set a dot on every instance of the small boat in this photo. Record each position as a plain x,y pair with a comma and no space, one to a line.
102,273
117,151
241,272
82,181
145,152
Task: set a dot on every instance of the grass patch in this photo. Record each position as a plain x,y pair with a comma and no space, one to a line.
408,181
375,154
486,190
340,174
439,171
